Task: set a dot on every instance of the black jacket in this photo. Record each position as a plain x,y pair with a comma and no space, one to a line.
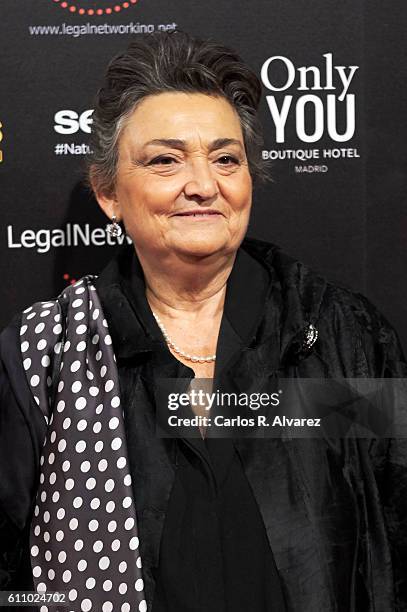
334,510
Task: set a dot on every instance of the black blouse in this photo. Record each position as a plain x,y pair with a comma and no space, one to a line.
214,551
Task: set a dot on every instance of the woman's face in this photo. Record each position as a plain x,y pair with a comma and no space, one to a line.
183,184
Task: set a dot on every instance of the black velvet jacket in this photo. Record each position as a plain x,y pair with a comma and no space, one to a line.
335,511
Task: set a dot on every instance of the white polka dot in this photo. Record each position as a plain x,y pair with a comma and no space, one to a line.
121,462
43,496
42,478
79,316
113,423
41,587
52,478
112,526
39,328
37,509
46,536
77,303
61,446
99,409
104,563
85,466
99,446
90,483
69,484
107,606
82,424
90,583
66,423
94,391
72,595
62,556
60,385
46,516
86,604
122,589
108,339
66,576
109,485
45,313
127,480
75,366
55,496
37,401
104,323
41,344
67,346
77,502
81,329
109,384
81,346
80,290
59,535
57,318
51,458
122,567
57,329
48,555
103,371
126,606
31,315
116,443
127,501
23,330
93,525
95,503
76,386
107,586
95,314
134,542
115,403
51,574
80,403
95,339
110,506
24,346
53,437
73,524
129,523
78,545
80,446
89,375
60,405
27,363
115,545
142,606
27,309
97,427
98,546
102,465
34,380
45,361
34,551
82,565
98,355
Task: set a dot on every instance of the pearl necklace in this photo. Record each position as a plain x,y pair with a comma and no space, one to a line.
187,356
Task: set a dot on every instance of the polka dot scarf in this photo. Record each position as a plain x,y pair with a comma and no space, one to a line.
84,536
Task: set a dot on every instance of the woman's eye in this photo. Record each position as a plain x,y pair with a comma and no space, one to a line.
225,160
162,161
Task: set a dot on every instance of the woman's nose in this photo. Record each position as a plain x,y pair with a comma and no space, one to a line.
200,181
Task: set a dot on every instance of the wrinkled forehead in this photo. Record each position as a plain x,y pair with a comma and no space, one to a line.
192,118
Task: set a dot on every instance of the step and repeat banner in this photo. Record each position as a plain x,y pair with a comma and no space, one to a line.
333,112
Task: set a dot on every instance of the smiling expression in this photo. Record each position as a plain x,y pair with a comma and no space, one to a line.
183,185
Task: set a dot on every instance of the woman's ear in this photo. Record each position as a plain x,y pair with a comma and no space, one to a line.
106,199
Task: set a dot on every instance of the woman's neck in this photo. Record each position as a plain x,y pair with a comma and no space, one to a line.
176,287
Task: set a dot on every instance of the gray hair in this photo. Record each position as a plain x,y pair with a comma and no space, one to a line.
164,62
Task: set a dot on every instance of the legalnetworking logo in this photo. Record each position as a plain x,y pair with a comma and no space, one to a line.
92,8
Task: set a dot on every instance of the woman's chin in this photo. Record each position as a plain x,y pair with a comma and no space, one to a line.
200,247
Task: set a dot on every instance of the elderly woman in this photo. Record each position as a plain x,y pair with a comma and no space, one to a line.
93,502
